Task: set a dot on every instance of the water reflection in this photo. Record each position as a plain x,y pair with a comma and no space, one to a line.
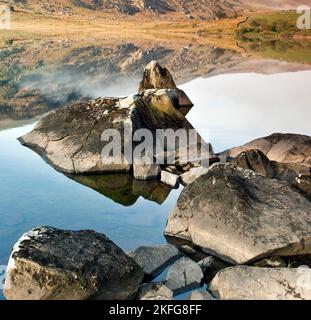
124,189
32,83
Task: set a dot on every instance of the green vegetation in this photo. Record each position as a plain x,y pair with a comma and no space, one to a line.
275,36
271,26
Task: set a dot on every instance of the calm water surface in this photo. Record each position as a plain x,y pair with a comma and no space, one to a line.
229,109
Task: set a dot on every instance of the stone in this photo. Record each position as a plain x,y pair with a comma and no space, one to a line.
250,283
170,179
303,183
211,266
73,139
146,172
287,148
53,264
153,260
240,216
193,174
155,291
293,173
254,160
183,275
272,262
199,295
158,77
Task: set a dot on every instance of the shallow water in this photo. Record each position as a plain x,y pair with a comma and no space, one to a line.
230,109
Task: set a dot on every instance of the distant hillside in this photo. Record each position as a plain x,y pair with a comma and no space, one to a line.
208,9
277,4
211,9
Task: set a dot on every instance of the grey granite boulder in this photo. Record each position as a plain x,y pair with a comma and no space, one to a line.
241,216
153,260
249,283
183,275
52,264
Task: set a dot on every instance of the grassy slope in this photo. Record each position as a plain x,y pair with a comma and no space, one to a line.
276,36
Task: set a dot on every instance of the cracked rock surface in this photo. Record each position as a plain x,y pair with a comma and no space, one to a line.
240,216
52,264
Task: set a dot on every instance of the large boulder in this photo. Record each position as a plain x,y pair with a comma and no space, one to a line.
52,264
288,148
241,216
249,283
70,139
297,175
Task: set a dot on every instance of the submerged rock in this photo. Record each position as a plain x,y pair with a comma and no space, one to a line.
183,275
155,291
52,264
249,283
153,260
241,216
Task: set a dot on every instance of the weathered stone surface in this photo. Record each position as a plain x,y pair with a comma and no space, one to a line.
303,183
193,174
183,275
272,262
200,295
70,139
146,172
52,264
157,77
297,175
241,216
255,160
249,283
153,260
170,179
288,148
155,291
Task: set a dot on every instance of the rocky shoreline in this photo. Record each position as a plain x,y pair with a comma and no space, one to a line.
241,228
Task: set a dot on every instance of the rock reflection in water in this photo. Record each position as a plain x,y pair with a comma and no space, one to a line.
123,188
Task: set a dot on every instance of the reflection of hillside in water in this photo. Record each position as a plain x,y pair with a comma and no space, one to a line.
36,78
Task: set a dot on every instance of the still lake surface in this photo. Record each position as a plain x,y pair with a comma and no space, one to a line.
230,110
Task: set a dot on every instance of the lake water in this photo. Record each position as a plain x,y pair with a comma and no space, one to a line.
230,109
